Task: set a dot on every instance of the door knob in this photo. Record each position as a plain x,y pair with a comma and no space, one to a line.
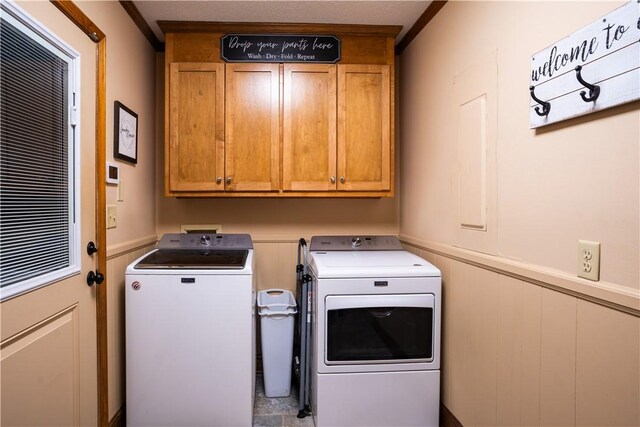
91,248
333,179
218,180
96,278
342,180
228,180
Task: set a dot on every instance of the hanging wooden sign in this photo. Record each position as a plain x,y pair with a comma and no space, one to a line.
280,48
595,68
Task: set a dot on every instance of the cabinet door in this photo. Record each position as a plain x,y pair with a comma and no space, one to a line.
309,143
195,158
364,127
253,127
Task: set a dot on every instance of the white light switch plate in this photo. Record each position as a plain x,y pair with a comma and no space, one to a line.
112,216
589,260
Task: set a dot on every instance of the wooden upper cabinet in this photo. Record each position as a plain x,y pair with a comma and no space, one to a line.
195,157
309,140
236,129
252,127
364,128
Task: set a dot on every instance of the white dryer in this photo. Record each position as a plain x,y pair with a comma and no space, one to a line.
376,333
190,332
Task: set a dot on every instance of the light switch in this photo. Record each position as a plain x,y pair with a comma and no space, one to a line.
112,216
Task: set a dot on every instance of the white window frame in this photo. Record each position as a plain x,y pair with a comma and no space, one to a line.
23,21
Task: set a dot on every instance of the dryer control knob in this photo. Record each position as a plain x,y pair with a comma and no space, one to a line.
355,242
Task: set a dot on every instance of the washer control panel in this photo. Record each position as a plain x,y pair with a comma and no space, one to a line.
210,241
355,243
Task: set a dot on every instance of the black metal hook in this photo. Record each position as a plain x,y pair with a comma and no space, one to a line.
546,106
594,90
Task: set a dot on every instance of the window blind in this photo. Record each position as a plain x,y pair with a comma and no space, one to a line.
36,215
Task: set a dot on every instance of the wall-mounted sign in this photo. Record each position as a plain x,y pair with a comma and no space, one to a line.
595,68
280,48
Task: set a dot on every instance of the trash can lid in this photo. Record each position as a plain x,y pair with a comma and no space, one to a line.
278,299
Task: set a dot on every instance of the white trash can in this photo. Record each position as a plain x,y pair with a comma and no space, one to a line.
277,309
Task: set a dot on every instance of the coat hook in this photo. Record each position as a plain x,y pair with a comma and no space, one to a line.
546,107
594,90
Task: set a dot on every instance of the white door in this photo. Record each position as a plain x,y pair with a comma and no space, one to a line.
48,350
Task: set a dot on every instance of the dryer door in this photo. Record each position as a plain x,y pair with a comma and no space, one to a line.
379,329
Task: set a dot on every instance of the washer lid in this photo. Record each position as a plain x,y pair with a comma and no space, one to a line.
191,259
353,264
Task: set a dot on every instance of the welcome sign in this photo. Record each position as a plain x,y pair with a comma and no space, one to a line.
608,51
280,48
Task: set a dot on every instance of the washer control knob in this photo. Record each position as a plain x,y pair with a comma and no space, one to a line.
356,242
205,240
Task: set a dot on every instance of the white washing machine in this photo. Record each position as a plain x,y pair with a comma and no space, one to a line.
190,332
376,333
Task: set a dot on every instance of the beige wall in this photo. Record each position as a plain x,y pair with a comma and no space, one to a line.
577,179
525,342
130,80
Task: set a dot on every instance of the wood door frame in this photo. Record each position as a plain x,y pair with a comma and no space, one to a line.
75,14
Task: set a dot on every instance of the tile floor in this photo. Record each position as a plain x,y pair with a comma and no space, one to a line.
277,412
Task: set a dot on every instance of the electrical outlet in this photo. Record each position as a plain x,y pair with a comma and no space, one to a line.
589,260
112,216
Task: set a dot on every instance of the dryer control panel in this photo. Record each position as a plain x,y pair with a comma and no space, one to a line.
355,243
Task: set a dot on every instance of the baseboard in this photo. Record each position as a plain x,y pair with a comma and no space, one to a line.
119,419
447,419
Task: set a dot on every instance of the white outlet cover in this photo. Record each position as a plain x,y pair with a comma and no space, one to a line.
589,260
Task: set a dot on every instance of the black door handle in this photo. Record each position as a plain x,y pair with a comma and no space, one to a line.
96,278
91,248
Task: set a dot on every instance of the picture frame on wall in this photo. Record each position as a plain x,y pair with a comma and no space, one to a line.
125,133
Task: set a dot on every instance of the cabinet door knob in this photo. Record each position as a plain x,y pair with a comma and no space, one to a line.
342,180
228,180
333,179
218,180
